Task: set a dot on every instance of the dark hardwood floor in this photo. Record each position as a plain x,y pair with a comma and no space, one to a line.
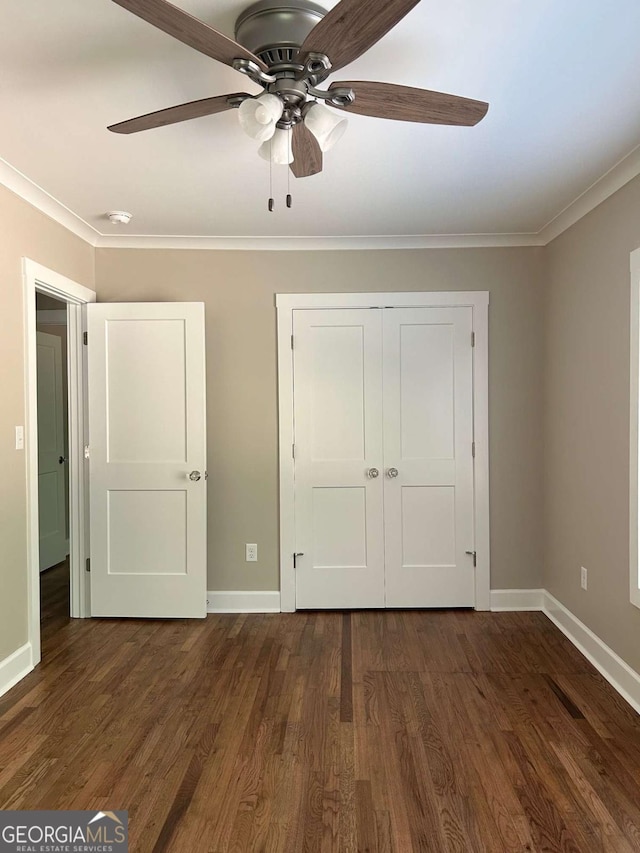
371,731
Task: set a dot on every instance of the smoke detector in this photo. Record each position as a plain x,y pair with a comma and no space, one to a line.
119,217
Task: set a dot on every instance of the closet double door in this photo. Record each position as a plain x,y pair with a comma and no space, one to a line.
383,409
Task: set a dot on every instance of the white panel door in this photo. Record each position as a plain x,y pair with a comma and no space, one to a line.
338,447
146,374
428,435
52,507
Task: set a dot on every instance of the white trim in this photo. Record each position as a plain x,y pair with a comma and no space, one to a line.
239,601
625,170
47,317
619,674
482,539
43,280
613,180
516,599
30,192
285,462
14,668
286,303
408,299
634,398
365,242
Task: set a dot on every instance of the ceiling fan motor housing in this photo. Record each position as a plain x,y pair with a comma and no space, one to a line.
274,31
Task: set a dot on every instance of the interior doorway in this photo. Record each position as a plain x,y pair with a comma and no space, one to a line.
70,297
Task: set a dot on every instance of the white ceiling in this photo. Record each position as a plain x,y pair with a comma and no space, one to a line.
561,78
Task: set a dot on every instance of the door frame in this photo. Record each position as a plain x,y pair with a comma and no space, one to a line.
286,304
39,279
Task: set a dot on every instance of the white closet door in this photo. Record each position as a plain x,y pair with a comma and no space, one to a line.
338,447
148,495
428,434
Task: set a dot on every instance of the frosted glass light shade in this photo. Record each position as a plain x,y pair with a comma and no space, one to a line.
258,116
278,148
326,126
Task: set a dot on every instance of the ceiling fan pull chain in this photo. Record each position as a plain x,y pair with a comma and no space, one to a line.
271,201
289,175
288,187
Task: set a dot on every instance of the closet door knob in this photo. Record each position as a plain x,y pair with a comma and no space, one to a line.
392,472
372,473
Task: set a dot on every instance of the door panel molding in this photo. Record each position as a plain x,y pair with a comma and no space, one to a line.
286,304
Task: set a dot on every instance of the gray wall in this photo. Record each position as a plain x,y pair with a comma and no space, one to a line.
238,289
559,394
586,423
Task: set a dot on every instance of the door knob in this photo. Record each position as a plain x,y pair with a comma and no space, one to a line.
392,472
194,476
62,460
372,473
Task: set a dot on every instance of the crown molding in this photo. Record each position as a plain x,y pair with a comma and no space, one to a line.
307,244
30,192
625,170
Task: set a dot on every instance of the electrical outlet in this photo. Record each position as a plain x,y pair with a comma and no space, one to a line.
19,438
583,577
251,553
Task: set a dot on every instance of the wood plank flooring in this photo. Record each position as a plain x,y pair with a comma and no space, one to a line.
397,732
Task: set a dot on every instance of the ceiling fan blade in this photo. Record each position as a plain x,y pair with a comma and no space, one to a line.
183,112
404,103
189,30
307,156
352,27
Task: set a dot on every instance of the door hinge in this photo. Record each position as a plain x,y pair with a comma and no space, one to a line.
472,554
88,565
86,451
473,449
295,559
291,341
85,338
473,339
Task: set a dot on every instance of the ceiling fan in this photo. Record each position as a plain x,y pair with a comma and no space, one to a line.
289,47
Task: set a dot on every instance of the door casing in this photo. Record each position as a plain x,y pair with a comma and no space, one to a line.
37,278
286,303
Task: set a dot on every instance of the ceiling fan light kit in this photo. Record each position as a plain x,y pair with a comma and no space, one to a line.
258,116
327,127
278,149
289,48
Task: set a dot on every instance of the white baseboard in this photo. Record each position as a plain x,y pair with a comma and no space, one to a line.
624,679
517,599
618,673
239,601
15,667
